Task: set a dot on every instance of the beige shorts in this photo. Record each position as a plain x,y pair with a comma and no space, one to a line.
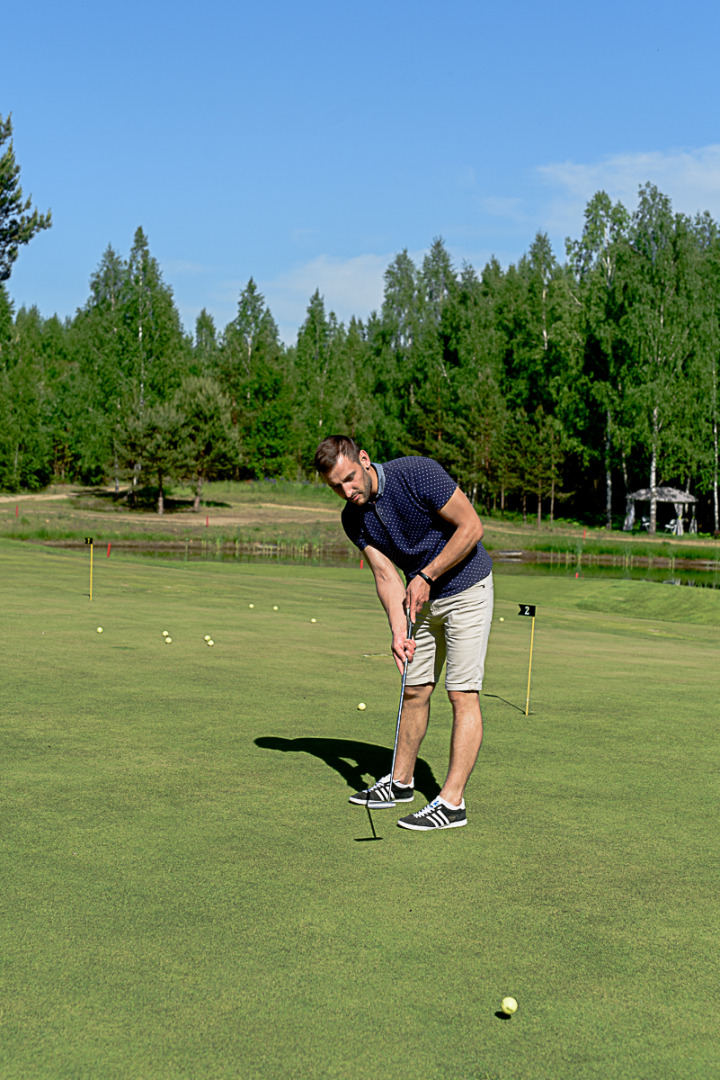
454,629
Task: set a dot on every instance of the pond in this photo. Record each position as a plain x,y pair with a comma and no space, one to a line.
524,564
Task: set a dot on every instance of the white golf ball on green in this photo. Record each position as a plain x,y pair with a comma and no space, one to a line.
210,641
501,619
251,605
509,1005
165,633
99,629
207,637
362,706
313,620
275,607
168,641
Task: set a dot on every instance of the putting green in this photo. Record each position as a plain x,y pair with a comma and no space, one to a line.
187,892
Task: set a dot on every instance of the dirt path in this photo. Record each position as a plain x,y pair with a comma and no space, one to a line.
37,498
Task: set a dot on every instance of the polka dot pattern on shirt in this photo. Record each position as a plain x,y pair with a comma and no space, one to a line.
403,523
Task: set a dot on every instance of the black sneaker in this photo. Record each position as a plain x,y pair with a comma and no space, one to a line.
380,796
436,815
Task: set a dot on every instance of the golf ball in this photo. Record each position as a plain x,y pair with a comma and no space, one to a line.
210,641
99,630
501,619
509,1005
168,641
251,605
165,633
313,620
275,607
362,706
207,637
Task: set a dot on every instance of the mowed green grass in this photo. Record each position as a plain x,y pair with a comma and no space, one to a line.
186,891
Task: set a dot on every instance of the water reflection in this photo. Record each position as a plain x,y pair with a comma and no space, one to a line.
528,565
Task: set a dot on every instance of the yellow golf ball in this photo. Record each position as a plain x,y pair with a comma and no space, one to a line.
275,607
501,619
207,637
165,633
313,620
251,605
168,641
99,629
211,642
362,706
509,1005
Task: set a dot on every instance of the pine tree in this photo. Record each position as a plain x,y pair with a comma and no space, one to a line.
17,226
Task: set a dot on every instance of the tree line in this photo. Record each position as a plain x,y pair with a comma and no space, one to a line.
550,387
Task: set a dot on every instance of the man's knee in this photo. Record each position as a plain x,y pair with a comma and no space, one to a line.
419,693
464,698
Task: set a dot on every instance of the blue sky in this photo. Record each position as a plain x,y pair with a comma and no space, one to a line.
306,144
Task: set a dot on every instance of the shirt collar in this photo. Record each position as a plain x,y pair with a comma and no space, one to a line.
381,478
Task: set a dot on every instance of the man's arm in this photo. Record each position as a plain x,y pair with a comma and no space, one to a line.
460,512
391,591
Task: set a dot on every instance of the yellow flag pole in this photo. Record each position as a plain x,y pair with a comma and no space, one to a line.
532,638
88,540
529,611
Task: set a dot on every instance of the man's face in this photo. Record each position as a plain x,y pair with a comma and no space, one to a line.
352,480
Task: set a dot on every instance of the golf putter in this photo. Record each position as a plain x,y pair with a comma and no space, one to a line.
410,631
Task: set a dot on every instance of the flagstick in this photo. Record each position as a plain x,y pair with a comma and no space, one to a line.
532,638
88,540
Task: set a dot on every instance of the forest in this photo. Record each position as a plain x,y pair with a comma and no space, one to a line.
550,388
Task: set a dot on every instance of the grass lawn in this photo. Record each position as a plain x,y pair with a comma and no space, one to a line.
188,893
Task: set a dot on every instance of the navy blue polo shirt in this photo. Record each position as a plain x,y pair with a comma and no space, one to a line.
403,523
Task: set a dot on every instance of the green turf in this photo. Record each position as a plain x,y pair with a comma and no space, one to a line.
187,893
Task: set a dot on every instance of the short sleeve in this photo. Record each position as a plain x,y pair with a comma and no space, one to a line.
353,527
433,485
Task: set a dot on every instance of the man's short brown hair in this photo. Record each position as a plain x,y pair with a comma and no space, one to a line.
332,448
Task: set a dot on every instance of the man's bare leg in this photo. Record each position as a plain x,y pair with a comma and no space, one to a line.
413,725
465,742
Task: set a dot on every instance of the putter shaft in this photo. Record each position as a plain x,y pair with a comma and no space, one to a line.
410,630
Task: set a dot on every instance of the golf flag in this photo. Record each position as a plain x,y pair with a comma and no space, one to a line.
89,540
529,610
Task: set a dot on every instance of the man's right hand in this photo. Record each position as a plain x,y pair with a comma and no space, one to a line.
402,647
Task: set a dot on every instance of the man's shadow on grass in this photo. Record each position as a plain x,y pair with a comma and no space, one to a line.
369,759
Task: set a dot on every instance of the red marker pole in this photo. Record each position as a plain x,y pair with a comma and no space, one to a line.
108,552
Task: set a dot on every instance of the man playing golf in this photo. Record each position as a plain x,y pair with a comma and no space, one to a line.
409,514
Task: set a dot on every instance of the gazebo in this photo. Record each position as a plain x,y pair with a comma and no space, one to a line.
680,500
